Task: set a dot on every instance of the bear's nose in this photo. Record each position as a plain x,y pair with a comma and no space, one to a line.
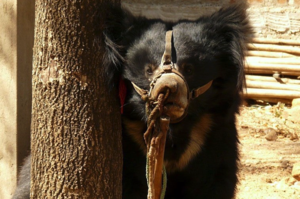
177,99
172,85
167,83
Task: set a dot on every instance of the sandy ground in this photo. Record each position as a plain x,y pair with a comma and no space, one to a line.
266,166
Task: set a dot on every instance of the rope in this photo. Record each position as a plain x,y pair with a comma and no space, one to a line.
164,188
164,183
155,138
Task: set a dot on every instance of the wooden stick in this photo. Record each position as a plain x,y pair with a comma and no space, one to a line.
151,169
270,93
155,138
273,67
271,79
276,48
164,126
270,72
271,85
277,41
285,61
268,54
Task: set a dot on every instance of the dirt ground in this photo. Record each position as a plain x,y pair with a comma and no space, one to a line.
269,146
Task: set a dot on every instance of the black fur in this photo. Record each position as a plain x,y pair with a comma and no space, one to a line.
202,150
213,47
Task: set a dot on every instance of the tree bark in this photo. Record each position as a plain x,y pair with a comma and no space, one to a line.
76,124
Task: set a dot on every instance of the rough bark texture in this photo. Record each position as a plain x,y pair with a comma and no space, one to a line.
76,130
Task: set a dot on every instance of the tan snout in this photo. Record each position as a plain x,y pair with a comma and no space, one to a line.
177,102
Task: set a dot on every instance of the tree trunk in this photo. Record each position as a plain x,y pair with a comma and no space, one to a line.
76,124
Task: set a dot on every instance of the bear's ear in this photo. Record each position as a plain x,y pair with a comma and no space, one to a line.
108,31
233,22
119,30
235,19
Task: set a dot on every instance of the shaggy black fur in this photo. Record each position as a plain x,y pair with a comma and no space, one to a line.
201,154
201,151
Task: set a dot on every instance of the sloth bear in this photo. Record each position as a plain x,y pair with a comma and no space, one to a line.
201,152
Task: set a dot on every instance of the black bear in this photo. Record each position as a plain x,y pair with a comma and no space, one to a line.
201,153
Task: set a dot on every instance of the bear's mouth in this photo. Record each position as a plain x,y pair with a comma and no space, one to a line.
174,110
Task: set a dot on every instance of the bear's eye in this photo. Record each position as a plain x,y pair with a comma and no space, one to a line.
188,69
149,70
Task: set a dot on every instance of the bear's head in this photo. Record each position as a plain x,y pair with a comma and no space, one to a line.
206,53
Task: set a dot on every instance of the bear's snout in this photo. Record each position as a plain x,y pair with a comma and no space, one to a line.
176,103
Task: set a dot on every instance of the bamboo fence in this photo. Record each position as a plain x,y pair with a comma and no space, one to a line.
273,70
